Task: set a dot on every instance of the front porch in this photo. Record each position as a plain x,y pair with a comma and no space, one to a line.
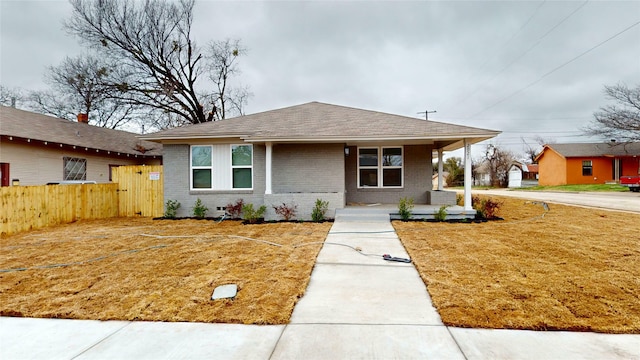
420,211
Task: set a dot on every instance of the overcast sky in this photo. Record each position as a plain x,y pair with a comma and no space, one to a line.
524,68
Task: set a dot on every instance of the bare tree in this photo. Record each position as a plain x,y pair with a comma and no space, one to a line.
222,56
10,97
159,66
499,160
532,151
620,121
81,85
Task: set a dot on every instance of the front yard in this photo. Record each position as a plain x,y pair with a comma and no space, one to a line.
571,269
108,270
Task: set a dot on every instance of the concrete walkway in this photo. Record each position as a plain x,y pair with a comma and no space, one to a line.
356,307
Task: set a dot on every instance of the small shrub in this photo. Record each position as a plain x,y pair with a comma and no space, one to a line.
250,215
405,207
199,209
460,199
171,209
235,210
287,212
486,208
319,210
441,214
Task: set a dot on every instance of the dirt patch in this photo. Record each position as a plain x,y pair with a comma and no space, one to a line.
571,269
107,270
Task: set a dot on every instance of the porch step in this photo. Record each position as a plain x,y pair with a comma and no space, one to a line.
362,216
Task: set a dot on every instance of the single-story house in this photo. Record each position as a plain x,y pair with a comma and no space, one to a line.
301,153
36,149
594,163
481,174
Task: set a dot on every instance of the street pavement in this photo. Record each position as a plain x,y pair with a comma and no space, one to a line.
356,307
620,201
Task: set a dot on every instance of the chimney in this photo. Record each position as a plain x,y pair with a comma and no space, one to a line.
83,118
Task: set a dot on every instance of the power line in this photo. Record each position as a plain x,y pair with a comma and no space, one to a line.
537,42
555,69
504,45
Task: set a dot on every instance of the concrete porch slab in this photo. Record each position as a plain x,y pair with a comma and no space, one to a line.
158,340
362,294
522,344
318,341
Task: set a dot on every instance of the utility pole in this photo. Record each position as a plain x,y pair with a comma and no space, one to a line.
426,113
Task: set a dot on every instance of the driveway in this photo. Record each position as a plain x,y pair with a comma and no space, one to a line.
621,201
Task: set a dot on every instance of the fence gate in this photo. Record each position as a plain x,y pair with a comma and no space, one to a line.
140,190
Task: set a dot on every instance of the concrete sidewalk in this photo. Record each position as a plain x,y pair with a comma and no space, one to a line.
356,306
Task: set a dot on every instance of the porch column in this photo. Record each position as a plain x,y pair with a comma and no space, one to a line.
267,189
440,169
467,176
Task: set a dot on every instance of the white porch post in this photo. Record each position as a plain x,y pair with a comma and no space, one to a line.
440,169
467,176
267,189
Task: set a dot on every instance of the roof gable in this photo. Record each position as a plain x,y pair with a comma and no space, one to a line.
316,121
29,125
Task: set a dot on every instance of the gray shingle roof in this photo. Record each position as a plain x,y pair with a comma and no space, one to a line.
29,125
597,149
323,122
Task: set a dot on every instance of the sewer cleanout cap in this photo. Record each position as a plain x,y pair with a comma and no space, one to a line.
228,291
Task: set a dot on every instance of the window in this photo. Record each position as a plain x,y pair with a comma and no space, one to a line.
221,167
241,165
587,168
74,168
201,167
380,163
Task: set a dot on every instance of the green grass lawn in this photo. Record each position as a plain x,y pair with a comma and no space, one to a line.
577,188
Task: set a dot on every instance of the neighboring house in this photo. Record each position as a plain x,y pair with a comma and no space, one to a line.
599,163
482,175
298,154
36,149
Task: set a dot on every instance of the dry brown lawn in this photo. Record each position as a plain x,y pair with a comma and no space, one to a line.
573,269
116,273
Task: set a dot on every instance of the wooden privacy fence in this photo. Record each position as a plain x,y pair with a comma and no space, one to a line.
33,207
138,192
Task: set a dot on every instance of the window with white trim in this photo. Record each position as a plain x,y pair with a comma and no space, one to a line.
201,167
380,167
242,166
221,167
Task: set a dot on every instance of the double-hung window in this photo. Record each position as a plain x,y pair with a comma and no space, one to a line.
380,167
201,167
221,167
242,166
587,168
